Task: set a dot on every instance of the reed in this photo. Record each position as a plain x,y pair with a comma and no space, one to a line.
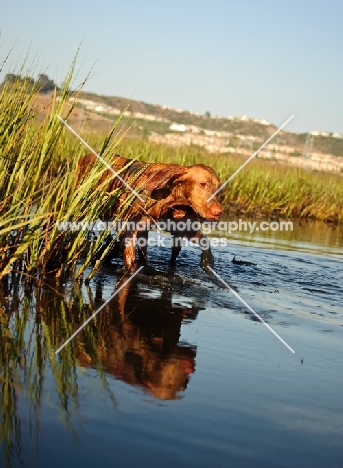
38,164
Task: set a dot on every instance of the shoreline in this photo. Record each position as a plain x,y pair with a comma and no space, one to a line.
236,209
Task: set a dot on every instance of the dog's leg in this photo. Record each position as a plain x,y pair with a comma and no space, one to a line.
206,258
176,247
142,245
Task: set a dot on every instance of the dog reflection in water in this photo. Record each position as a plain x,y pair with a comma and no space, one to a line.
138,341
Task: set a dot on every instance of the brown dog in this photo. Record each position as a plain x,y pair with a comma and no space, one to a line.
170,192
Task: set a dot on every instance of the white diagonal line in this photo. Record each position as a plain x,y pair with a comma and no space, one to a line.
99,157
251,310
100,308
251,157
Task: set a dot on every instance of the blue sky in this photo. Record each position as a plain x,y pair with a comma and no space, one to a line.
266,59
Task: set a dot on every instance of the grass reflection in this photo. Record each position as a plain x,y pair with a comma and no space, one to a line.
33,322
135,338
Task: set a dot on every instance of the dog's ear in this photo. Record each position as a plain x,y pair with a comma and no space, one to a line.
162,177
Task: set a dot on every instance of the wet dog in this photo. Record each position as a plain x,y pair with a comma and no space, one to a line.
170,192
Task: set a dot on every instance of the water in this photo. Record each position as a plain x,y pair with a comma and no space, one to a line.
175,371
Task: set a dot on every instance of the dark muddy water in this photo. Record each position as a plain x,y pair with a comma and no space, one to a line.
175,371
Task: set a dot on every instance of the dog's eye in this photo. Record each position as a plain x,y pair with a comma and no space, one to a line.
203,184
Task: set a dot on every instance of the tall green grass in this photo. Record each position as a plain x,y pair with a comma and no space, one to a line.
37,186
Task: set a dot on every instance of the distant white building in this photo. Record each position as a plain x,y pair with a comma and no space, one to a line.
262,121
114,111
178,127
326,134
210,132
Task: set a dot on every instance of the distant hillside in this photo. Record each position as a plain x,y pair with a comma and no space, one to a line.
163,124
238,127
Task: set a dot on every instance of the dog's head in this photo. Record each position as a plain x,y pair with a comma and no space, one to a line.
190,186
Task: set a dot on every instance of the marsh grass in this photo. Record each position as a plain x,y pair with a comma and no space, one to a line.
37,186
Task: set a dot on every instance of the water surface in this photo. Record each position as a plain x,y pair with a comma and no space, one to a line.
175,371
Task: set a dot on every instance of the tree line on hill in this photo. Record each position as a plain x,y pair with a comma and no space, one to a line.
43,83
